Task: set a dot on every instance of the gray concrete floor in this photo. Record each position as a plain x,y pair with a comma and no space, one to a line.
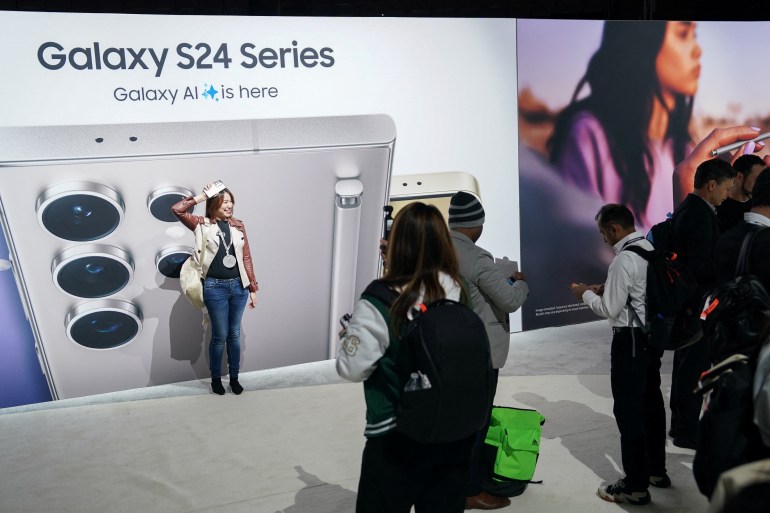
292,442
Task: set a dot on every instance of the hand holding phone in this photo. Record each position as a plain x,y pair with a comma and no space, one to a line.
215,188
384,251
345,321
578,289
388,222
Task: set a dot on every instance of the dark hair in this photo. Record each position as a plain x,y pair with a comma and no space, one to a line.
612,213
744,163
623,80
419,248
213,203
713,169
760,195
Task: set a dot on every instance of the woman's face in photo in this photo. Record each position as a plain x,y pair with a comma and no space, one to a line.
678,61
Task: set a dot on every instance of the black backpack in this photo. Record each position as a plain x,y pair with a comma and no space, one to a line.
445,370
672,315
727,436
735,313
735,318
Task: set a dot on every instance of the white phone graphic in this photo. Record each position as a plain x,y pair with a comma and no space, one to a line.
432,188
96,252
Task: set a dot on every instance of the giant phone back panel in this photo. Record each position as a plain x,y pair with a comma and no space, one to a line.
96,251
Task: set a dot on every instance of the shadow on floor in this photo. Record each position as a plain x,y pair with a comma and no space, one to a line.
593,439
320,497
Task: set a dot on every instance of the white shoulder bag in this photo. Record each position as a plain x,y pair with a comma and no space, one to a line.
191,275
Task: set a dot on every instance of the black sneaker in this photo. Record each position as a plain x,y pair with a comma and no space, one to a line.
216,386
620,492
685,442
236,387
661,481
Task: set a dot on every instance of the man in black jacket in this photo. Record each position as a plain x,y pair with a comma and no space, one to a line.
696,229
731,211
729,245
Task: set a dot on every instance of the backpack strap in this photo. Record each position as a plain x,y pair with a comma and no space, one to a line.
743,265
647,255
387,296
381,296
381,292
644,253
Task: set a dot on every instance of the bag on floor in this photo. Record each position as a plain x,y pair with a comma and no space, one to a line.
672,293
445,369
511,450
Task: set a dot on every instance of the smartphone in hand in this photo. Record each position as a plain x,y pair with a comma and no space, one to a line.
345,321
215,188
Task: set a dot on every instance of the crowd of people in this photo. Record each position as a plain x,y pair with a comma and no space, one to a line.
624,139
428,259
708,227
398,473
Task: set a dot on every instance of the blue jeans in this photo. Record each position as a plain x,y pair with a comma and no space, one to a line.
225,301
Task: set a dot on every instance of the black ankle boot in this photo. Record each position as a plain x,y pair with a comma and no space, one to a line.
216,386
235,386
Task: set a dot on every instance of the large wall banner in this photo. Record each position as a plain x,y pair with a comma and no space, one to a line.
605,111
314,124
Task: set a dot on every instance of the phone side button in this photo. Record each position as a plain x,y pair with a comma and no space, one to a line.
22,295
40,359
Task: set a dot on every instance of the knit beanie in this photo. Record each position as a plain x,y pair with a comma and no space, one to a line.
465,211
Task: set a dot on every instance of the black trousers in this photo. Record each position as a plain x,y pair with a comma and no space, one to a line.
479,472
689,363
398,473
638,406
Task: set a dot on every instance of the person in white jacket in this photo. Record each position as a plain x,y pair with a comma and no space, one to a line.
398,472
634,364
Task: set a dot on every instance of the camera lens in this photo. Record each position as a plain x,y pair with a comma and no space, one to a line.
103,324
92,270
169,261
160,202
80,211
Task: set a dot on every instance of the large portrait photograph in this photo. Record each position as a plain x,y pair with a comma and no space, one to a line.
606,111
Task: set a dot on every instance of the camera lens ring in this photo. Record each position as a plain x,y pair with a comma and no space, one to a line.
92,271
103,324
79,211
164,263
160,201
